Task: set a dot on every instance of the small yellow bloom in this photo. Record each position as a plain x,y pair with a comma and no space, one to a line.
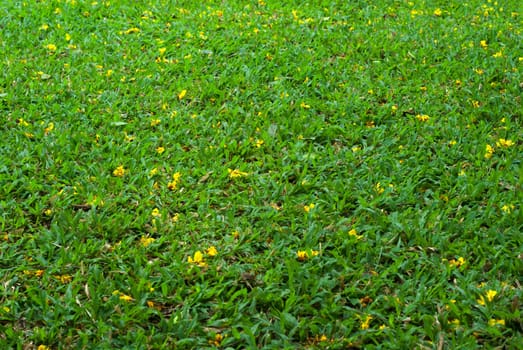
162,51
197,259
146,241
64,278
44,27
217,340
498,54
156,213
438,12
67,37
51,47
125,297
365,323
309,207
50,127
354,233
422,117
490,296
42,347
160,149
483,44
304,105
132,30
174,183
119,171
489,151
493,322
155,122
211,251
153,171
457,263
507,208
236,173
301,255
182,94
504,143
378,189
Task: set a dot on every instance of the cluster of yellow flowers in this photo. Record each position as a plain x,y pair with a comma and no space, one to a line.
198,258
303,255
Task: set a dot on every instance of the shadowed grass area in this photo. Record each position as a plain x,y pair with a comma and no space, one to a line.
253,174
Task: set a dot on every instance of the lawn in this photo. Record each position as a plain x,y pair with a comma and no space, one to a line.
261,174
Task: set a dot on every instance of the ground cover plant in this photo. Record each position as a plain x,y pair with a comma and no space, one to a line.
261,174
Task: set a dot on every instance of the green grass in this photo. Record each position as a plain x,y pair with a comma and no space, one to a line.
356,167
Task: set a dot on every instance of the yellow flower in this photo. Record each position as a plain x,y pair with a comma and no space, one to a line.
42,347
365,323
422,117
51,47
125,297
354,233
119,171
197,259
483,44
507,208
155,122
304,105
378,188
156,213
493,322
490,296
50,127
146,241
309,207
504,143
162,51
454,322
182,94
457,263
236,173
174,183
67,36
160,150
153,171
498,54
132,30
211,251
438,12
301,255
489,151
64,278
217,340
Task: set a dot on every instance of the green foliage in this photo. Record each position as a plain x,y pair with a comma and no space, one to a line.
261,174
